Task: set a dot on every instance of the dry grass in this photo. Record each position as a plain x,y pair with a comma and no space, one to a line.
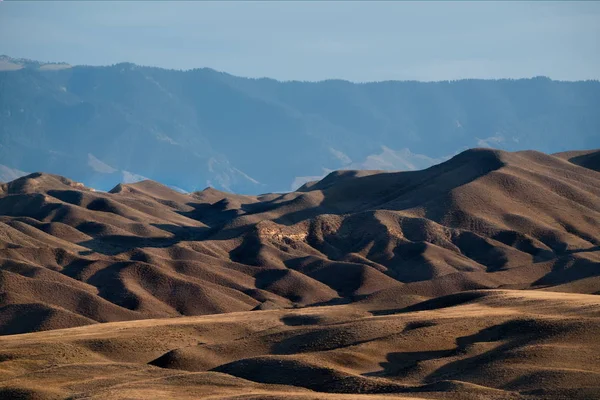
445,283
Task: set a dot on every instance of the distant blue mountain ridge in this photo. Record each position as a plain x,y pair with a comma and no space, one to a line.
198,128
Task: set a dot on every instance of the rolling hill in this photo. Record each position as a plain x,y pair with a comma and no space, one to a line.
484,219
475,278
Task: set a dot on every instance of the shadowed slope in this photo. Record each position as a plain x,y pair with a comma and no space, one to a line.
587,159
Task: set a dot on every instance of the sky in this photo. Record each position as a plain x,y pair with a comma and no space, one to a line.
285,40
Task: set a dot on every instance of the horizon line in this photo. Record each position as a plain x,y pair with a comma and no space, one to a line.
42,63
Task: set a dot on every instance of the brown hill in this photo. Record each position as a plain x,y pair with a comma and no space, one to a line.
403,265
484,219
489,344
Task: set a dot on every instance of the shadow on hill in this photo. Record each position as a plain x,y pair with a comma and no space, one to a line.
590,160
568,269
116,244
591,249
509,336
451,300
212,215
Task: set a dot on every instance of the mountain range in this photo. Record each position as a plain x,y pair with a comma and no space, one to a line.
197,128
474,278
406,240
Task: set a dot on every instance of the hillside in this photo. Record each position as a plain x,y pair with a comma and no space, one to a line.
198,128
475,278
484,219
496,345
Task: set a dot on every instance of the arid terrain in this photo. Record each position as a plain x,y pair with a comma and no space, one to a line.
477,278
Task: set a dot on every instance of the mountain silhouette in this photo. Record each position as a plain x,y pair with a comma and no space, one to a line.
198,128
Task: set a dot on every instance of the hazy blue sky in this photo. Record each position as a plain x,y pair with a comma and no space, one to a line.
358,41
